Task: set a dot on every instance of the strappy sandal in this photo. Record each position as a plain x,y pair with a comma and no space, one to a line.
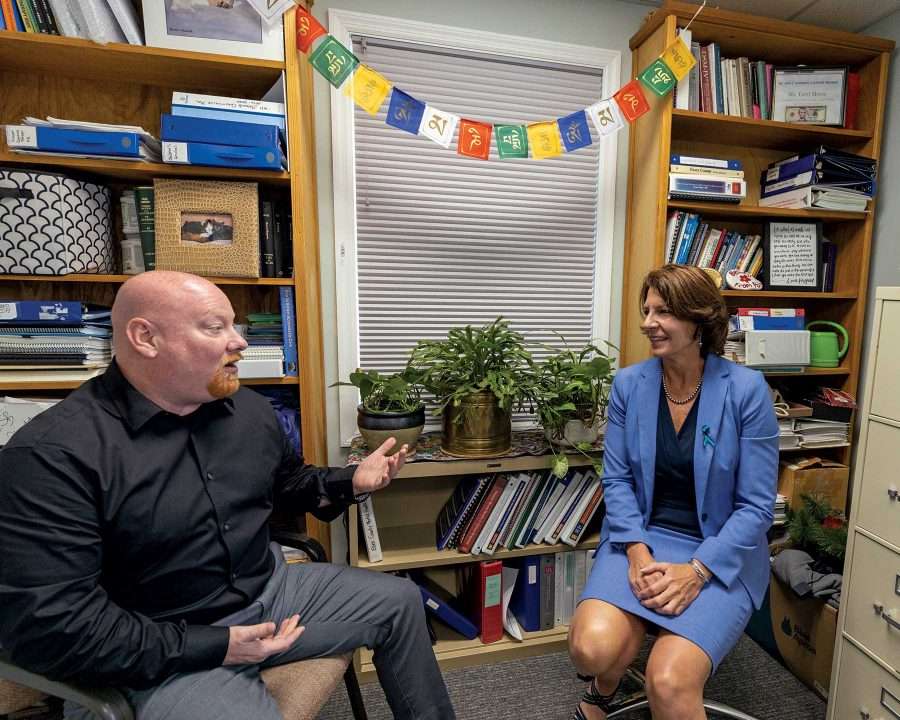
593,697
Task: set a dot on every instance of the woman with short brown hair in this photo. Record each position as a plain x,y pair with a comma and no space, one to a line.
689,473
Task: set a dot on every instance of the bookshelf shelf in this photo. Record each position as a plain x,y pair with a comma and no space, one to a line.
730,130
810,371
754,213
140,172
469,467
750,294
453,650
412,546
82,278
116,62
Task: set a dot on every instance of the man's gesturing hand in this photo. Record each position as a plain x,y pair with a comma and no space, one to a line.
377,470
249,644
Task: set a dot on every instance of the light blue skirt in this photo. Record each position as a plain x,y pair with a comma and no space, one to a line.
715,619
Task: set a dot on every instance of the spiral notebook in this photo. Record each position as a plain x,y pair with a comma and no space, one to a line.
455,514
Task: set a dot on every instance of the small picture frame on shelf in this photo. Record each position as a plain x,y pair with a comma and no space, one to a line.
809,96
792,254
224,27
209,228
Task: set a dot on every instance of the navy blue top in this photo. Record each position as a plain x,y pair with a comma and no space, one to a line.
674,495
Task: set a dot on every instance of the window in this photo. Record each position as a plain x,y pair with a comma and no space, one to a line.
427,239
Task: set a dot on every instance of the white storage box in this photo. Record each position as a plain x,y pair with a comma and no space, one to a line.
51,224
776,348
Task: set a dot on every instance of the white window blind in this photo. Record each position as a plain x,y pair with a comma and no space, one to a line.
444,240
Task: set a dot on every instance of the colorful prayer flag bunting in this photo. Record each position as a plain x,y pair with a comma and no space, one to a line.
405,112
512,141
678,58
438,125
474,139
308,29
369,89
543,137
658,77
333,61
606,117
631,100
575,131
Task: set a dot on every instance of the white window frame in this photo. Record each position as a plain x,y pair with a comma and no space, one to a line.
343,24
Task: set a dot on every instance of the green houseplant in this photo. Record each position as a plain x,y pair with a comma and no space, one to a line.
477,375
390,406
572,389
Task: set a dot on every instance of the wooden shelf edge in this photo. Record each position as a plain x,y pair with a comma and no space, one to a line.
801,130
807,373
750,294
141,171
432,468
408,559
731,210
88,278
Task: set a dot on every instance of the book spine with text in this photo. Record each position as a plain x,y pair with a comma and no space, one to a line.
370,530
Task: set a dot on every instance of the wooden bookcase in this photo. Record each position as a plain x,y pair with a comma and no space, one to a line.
665,130
405,513
67,77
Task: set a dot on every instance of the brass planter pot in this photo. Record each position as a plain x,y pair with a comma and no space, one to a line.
477,427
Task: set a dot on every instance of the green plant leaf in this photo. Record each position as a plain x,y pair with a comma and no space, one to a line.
560,466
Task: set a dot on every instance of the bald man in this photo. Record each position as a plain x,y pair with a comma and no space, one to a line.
133,526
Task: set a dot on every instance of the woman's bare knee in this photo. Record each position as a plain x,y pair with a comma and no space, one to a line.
602,639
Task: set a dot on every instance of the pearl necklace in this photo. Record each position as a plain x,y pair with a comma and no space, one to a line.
687,399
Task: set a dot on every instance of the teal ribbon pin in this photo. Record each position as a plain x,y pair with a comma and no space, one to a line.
707,438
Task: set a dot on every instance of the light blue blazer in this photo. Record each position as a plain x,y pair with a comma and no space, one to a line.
735,466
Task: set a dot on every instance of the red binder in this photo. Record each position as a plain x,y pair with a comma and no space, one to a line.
486,598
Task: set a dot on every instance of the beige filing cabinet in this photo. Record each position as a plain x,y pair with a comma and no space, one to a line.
865,681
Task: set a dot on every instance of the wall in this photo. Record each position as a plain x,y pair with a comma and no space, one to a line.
885,267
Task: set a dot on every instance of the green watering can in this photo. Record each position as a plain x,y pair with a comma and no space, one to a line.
823,346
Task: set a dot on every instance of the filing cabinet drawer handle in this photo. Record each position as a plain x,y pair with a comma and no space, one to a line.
888,696
886,616
893,493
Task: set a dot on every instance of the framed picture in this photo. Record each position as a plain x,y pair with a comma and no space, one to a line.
226,27
208,228
792,255
811,96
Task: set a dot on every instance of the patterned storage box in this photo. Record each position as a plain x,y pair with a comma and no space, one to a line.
51,224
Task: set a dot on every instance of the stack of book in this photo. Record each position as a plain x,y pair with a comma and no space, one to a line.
224,132
740,87
690,240
271,350
53,340
487,513
77,138
824,178
706,179
755,328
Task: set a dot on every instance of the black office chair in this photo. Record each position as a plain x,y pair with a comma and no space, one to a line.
299,688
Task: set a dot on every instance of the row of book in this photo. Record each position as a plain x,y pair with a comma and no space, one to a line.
739,87
138,215
208,130
691,240
271,341
706,179
224,132
100,20
487,513
824,178
46,339
519,595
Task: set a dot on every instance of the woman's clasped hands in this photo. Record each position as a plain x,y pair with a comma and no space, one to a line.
667,588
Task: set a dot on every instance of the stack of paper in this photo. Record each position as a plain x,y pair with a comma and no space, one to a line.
788,438
822,433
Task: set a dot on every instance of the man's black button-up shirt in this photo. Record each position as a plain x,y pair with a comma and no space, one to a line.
126,530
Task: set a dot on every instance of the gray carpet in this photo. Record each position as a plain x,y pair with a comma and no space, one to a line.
545,688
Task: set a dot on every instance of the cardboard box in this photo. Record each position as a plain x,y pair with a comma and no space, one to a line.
814,476
805,631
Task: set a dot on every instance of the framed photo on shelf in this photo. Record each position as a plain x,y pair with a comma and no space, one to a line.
209,228
809,96
792,253
224,27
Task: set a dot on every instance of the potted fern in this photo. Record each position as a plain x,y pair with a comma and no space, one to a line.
572,389
390,406
478,375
